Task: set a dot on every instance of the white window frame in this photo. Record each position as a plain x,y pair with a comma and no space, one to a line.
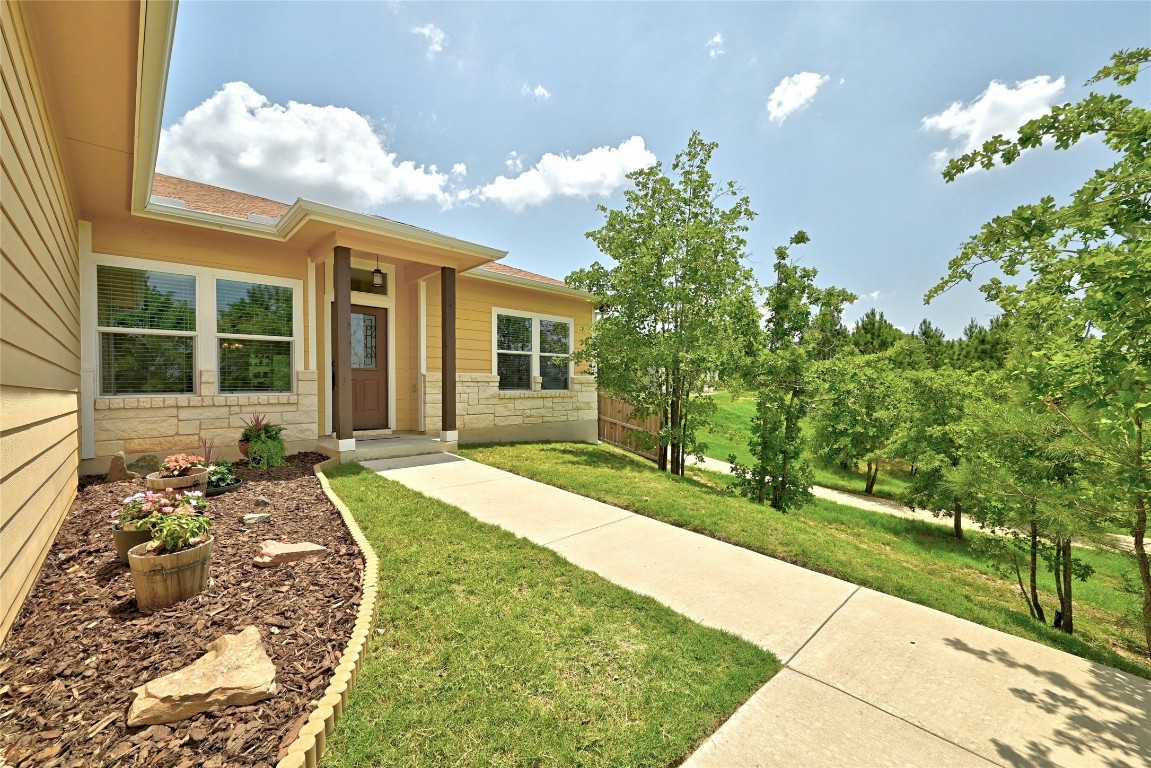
205,356
535,353
252,337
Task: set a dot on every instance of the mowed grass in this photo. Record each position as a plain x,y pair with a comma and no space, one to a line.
492,651
731,430
911,559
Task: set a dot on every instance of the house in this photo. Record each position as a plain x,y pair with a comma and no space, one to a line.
140,312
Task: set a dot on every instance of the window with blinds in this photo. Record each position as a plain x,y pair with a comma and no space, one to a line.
528,346
146,322
254,325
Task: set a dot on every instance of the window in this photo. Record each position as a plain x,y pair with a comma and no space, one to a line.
254,337
530,345
157,325
146,323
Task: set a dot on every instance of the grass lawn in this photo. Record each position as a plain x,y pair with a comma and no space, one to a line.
731,431
492,651
911,559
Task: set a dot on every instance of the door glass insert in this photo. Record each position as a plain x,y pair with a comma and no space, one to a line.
363,341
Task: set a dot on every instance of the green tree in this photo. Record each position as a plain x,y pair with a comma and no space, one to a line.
1024,471
857,413
678,307
1084,300
934,343
783,375
873,333
933,438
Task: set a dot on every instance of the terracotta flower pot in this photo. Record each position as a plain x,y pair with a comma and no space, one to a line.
163,580
195,480
244,448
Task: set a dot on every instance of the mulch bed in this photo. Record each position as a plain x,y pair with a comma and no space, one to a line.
80,645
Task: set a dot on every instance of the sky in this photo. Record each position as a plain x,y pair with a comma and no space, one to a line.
507,124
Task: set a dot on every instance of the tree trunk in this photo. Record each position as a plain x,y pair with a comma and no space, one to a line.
872,474
1034,570
957,517
1057,572
675,436
1068,623
1140,532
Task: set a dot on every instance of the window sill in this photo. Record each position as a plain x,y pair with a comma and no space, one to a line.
190,401
512,394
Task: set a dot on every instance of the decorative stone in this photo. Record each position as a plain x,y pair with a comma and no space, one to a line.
256,517
235,671
273,553
146,464
117,470
262,501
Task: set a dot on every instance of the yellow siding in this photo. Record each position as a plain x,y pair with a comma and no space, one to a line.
475,299
39,315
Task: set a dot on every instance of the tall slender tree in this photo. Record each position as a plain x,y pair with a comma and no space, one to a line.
677,309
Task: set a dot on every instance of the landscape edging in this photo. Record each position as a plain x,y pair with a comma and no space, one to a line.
308,747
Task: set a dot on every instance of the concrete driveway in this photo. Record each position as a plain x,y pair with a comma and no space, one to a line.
868,679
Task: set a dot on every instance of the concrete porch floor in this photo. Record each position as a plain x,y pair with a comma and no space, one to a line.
397,445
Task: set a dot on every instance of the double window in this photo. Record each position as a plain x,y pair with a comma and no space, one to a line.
528,345
155,328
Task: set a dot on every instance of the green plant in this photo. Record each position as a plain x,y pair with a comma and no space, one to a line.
221,474
176,530
265,452
180,464
259,426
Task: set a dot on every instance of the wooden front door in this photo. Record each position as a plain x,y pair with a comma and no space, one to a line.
369,338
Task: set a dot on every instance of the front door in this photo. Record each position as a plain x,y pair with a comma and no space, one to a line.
369,337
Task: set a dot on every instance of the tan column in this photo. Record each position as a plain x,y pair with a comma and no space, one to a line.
448,352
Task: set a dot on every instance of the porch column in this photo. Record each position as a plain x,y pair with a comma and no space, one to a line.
448,431
342,345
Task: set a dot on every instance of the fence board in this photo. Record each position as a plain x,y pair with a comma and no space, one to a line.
617,427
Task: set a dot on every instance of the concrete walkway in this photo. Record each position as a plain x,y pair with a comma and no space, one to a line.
869,680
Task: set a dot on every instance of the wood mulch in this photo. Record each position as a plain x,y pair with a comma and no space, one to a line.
79,645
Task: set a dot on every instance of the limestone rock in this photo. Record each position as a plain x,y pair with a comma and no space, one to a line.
235,671
274,553
262,501
118,471
256,517
146,464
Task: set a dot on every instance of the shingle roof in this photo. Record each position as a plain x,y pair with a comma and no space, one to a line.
504,269
238,205
217,200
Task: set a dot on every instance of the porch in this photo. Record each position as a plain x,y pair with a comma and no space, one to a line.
386,446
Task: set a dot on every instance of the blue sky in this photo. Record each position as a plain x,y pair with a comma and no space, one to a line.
507,123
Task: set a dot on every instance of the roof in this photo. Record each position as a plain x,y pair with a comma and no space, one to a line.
523,274
206,198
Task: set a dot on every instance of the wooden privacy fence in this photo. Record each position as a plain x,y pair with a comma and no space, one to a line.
616,426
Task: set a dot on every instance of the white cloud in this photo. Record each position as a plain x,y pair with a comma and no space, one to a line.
999,109
239,140
435,37
600,171
539,92
514,161
793,93
872,296
715,46
459,169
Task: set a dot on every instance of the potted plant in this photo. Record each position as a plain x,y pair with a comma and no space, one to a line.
221,478
131,523
174,565
262,442
180,470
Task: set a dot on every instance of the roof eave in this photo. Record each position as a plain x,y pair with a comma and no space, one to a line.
523,282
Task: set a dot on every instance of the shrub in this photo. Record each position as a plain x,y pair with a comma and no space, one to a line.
265,452
220,474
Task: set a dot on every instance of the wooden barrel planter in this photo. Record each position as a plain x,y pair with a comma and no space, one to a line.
125,539
163,580
195,480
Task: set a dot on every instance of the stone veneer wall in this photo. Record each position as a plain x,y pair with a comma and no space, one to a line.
483,412
139,425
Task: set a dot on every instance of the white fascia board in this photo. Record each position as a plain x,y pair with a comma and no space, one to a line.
524,282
